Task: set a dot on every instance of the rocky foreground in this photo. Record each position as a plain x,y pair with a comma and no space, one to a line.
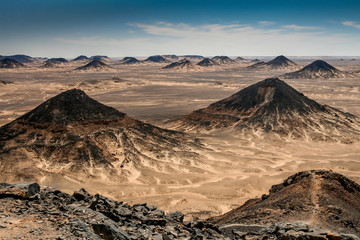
31,211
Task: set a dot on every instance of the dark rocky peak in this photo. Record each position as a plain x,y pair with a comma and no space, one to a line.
56,61
171,57
20,58
94,65
70,106
207,62
281,61
100,58
10,63
317,69
129,60
272,93
81,58
223,59
156,59
182,63
319,65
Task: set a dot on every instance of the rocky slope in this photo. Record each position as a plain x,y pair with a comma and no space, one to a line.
94,66
317,69
182,65
10,63
278,63
318,205
75,136
222,60
31,211
273,107
322,199
207,62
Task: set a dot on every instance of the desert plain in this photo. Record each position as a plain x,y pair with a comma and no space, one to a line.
232,169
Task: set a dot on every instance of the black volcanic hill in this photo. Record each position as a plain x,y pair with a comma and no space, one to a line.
70,106
129,60
278,63
240,59
94,65
255,60
20,58
317,69
272,106
181,65
223,60
156,59
10,63
100,58
322,198
56,61
81,58
207,62
171,57
75,136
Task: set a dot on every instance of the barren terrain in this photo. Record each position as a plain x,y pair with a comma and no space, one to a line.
237,168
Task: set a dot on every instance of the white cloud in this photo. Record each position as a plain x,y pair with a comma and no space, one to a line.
232,39
266,23
297,27
351,24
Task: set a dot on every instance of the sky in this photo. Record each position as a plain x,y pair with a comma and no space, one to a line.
118,28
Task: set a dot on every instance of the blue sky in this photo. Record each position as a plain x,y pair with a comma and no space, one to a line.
138,28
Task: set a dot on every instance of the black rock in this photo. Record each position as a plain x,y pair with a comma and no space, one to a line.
10,63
